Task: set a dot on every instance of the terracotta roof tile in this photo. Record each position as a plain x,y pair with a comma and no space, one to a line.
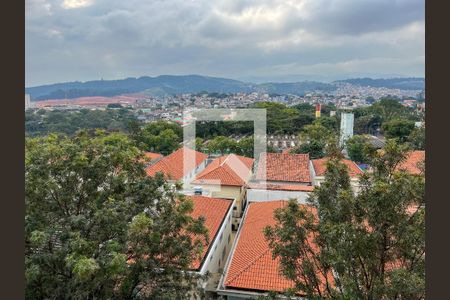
172,165
412,162
152,155
320,167
284,167
252,266
214,210
230,169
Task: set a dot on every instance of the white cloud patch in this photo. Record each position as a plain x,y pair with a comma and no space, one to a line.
69,4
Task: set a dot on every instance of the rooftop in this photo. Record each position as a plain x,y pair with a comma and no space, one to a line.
320,167
284,167
252,266
214,210
229,169
412,162
172,165
152,155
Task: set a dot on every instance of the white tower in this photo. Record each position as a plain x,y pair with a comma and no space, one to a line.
346,127
27,101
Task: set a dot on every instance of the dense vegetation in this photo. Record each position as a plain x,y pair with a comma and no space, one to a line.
96,227
42,122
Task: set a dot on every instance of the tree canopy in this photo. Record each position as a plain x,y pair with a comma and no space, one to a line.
96,227
371,245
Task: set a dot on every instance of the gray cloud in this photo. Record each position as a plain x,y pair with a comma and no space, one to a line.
83,40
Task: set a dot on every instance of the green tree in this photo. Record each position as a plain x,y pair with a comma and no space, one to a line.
222,145
399,129
159,136
96,227
314,140
417,138
359,148
365,246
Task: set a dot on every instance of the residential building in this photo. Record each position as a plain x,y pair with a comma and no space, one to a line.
287,176
172,166
319,167
251,270
226,177
218,219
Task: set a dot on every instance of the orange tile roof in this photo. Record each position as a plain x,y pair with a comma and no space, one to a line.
252,266
152,155
412,162
281,187
172,165
320,167
230,169
284,167
214,210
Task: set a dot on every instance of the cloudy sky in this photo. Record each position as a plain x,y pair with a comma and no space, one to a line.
69,40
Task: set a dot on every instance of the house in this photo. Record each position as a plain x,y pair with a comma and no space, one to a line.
251,271
287,176
269,192
226,177
172,166
283,168
218,220
413,163
319,167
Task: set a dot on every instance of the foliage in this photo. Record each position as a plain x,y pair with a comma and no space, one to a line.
96,227
417,138
314,139
226,145
282,119
160,136
42,122
368,246
398,128
359,148
211,129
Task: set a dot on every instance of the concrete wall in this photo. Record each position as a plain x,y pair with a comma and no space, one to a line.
254,195
215,260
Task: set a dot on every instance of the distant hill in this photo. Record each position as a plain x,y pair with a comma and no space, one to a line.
166,85
411,83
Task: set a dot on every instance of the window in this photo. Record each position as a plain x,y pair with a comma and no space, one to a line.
229,238
221,236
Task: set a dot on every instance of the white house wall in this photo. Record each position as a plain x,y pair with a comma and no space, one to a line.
255,195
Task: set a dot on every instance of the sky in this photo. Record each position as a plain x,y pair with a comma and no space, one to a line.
254,40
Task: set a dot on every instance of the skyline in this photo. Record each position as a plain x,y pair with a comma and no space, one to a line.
82,40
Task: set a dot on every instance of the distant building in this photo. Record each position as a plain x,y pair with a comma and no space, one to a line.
346,127
27,101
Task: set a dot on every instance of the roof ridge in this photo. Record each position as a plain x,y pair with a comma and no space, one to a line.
248,266
232,173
